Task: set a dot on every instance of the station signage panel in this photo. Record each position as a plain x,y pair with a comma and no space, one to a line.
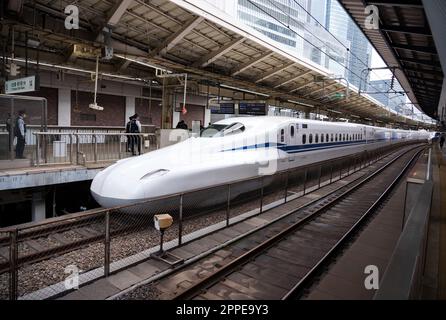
27,84
223,108
252,108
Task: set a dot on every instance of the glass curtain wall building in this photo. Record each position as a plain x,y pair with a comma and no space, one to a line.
321,31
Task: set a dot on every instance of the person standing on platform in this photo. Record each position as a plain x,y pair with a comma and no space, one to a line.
442,140
135,127
20,131
127,130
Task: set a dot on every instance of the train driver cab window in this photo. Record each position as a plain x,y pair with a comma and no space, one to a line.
282,135
310,140
292,131
304,138
221,130
316,138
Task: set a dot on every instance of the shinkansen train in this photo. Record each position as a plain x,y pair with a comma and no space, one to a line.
235,149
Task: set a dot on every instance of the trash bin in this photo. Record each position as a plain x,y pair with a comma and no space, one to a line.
59,149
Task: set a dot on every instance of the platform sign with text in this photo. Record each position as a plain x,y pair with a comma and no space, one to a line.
27,84
223,108
252,108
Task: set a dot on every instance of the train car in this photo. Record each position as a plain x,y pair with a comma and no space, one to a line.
234,149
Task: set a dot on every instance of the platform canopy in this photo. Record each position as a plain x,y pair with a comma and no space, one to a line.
404,40
216,52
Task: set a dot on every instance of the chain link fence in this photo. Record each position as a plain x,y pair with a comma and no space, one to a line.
41,260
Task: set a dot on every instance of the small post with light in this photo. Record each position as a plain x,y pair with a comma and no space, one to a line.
163,222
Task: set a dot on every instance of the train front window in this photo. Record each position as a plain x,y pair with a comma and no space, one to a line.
221,130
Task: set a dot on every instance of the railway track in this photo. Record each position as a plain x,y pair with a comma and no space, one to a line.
283,258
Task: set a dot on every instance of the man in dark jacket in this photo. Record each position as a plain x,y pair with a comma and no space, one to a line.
442,140
127,130
135,127
19,132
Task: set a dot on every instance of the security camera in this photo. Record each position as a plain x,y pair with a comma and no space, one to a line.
95,107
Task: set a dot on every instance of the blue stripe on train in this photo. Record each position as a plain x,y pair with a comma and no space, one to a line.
305,147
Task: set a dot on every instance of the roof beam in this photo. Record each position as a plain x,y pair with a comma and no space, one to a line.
250,63
397,3
403,29
302,86
420,61
433,72
421,49
410,77
284,82
115,14
176,37
323,88
214,55
274,71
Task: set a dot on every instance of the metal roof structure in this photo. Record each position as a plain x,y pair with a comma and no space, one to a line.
404,40
218,55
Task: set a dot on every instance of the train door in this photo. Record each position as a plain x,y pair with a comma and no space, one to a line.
291,140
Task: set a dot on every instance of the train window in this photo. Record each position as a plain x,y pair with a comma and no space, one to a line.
310,140
336,137
220,130
326,136
304,138
322,137
282,135
343,137
292,131
316,138
331,137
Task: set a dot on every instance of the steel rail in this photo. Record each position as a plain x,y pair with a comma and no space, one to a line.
249,255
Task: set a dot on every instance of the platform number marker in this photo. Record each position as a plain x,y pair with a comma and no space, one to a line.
72,20
72,281
372,280
372,20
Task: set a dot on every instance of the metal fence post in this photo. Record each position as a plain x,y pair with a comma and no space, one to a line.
107,245
331,172
319,179
13,272
305,179
180,222
261,195
77,148
37,149
71,148
228,205
95,152
286,184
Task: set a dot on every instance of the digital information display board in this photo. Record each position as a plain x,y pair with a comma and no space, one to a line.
225,108
252,108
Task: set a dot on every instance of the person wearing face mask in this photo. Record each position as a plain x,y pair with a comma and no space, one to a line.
20,131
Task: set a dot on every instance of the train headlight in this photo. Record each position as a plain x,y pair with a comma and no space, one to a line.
155,174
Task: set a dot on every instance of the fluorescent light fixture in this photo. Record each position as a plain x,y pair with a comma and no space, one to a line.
335,111
141,62
301,103
244,90
77,69
368,119
355,116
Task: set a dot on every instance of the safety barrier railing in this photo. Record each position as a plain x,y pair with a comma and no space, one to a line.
83,148
99,242
403,277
